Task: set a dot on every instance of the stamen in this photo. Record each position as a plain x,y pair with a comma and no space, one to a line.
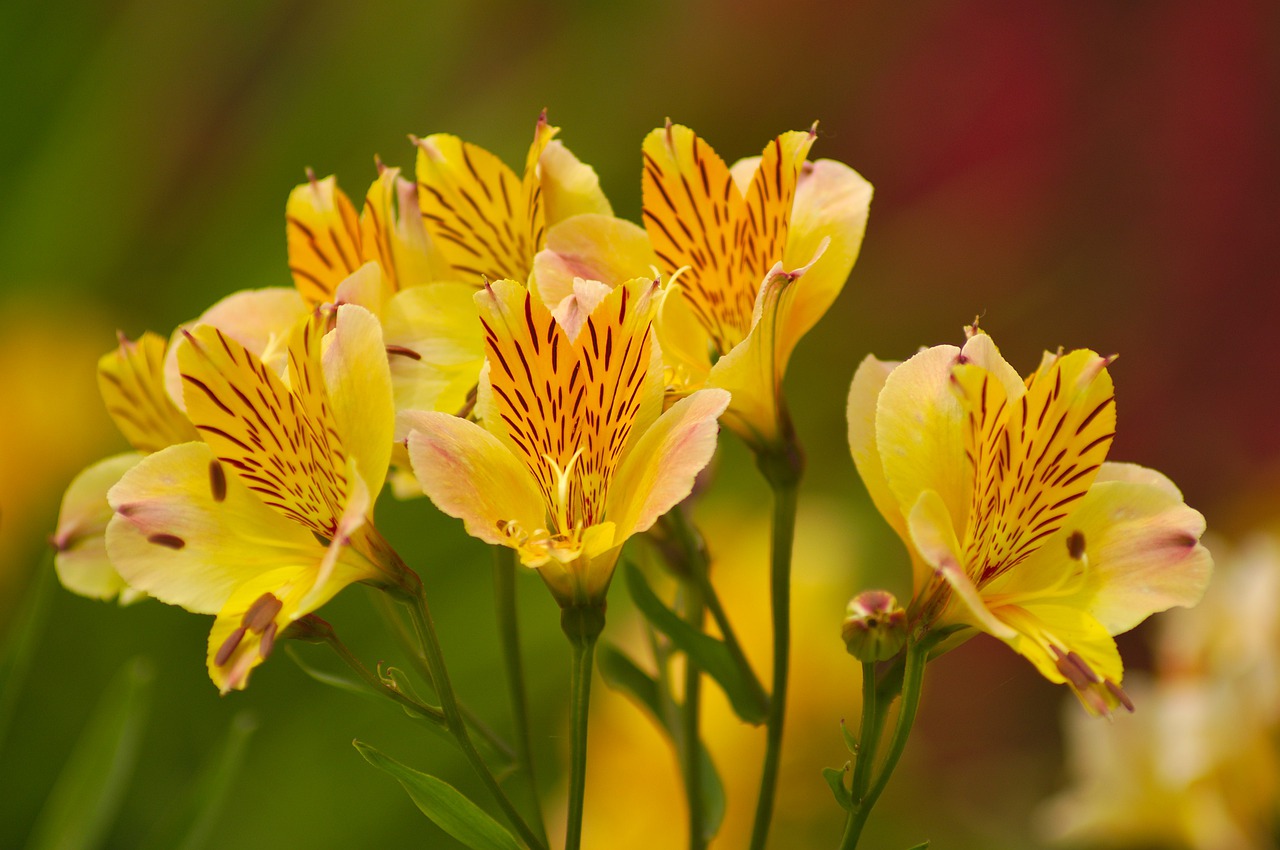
1118,693
228,646
1075,545
268,641
262,613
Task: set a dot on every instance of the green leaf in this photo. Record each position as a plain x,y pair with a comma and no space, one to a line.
835,778
189,825
741,686
444,804
849,740
333,680
87,794
622,674
20,641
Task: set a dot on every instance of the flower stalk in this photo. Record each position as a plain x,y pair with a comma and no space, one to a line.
582,625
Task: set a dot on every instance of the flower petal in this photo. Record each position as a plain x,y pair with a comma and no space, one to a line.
470,475
436,348
831,202
569,187
391,233
188,532
358,379
920,433
80,539
658,473
324,238
591,247
864,393
131,379
258,319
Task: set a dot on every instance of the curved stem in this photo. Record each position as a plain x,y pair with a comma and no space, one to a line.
784,526
504,593
375,682
917,655
583,655
868,733
418,659
691,743
434,658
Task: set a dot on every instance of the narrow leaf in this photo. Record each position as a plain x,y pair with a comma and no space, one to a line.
333,680
87,795
20,640
444,804
849,740
835,778
622,674
741,686
189,825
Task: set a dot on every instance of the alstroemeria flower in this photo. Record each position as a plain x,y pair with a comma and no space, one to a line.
1016,524
131,380
575,454
270,516
765,248
488,222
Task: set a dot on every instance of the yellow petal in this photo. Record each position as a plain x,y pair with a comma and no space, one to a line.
686,344
692,212
131,379
283,442
366,286
831,202
864,393
259,319
188,532
358,379
323,236
80,538
436,348
592,247
658,473
392,233
470,475
487,222
920,433
569,187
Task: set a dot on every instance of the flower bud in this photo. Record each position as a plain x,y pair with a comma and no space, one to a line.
875,626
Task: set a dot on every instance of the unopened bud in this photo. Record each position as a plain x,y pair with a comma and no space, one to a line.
875,626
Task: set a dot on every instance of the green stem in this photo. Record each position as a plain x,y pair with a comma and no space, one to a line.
917,655
582,626
376,683
690,738
418,659
504,592
434,658
868,733
785,488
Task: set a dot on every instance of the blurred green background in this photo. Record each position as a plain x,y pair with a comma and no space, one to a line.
1084,173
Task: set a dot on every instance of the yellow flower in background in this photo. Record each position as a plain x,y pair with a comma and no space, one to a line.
1017,525
131,380
489,223
1198,767
271,516
765,247
573,456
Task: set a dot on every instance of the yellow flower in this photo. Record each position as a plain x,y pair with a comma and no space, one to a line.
1016,525
735,243
131,380
573,457
270,516
488,222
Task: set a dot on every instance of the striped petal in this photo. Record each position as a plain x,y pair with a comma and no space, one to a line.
132,383
323,237
487,222
188,532
391,233
357,379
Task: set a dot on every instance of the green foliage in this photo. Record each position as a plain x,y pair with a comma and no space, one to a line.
444,804
835,778
84,801
740,685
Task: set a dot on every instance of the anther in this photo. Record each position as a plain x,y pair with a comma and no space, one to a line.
268,641
1118,693
262,613
228,646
